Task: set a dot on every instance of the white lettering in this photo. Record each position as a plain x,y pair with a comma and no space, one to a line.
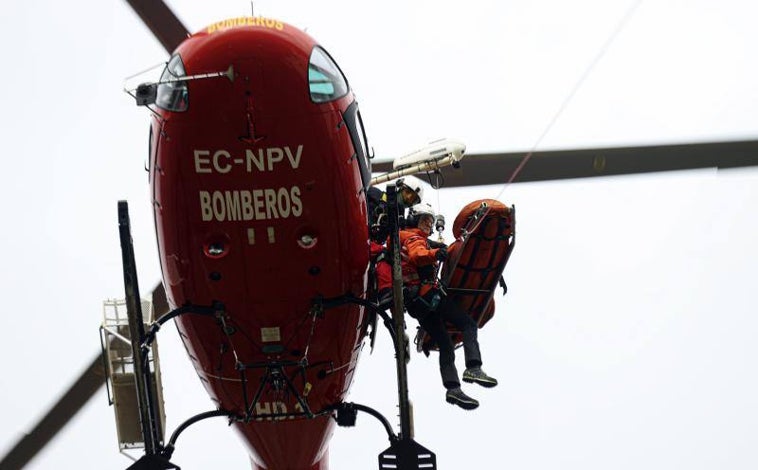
271,204
262,159
233,205
258,203
250,154
205,206
219,206
274,155
247,205
279,408
297,205
200,161
263,408
227,167
283,201
294,161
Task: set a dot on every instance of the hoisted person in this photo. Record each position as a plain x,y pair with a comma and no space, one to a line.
426,301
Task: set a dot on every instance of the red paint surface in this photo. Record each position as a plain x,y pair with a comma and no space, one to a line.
269,283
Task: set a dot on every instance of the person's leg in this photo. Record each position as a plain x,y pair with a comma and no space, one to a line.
434,326
453,313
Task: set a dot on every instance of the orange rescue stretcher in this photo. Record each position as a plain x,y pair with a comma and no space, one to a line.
485,232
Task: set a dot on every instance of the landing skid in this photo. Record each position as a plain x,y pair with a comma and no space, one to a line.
404,452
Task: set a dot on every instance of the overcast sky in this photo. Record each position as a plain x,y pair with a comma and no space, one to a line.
627,338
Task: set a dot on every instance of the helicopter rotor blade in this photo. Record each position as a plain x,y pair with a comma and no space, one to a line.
161,21
69,404
496,168
73,400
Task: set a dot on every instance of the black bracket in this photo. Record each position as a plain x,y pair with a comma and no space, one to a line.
215,310
153,462
347,414
378,309
407,454
403,454
160,460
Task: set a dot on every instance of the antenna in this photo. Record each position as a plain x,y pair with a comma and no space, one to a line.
252,9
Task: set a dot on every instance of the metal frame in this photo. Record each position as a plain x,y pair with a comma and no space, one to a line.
404,453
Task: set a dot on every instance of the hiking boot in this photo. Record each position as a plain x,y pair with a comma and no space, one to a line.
478,376
456,396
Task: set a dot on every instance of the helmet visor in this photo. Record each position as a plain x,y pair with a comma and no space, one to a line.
409,196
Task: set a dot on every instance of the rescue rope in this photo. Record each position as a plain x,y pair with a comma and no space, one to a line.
582,78
474,222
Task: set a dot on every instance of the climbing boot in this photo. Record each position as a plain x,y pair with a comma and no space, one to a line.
456,396
478,376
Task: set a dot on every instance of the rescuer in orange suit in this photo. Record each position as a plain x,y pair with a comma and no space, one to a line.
426,301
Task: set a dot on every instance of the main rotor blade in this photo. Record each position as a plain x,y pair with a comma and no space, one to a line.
497,168
69,404
159,18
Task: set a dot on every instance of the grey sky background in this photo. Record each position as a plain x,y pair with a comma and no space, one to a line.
627,339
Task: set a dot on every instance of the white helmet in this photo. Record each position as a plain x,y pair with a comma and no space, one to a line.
415,213
412,185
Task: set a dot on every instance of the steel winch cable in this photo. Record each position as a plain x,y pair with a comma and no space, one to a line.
582,78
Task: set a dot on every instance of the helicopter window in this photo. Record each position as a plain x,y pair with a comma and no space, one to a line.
325,79
172,92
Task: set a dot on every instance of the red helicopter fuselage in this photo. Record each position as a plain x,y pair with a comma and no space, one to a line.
258,179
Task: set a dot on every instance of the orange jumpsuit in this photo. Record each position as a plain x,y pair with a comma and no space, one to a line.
419,262
432,308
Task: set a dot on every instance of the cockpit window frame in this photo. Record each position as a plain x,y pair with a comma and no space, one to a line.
172,94
334,78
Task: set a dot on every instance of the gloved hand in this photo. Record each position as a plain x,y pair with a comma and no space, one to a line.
441,254
435,244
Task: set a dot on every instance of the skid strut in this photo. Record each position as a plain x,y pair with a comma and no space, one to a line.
156,455
151,431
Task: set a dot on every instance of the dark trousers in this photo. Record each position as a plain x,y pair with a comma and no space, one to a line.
433,322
